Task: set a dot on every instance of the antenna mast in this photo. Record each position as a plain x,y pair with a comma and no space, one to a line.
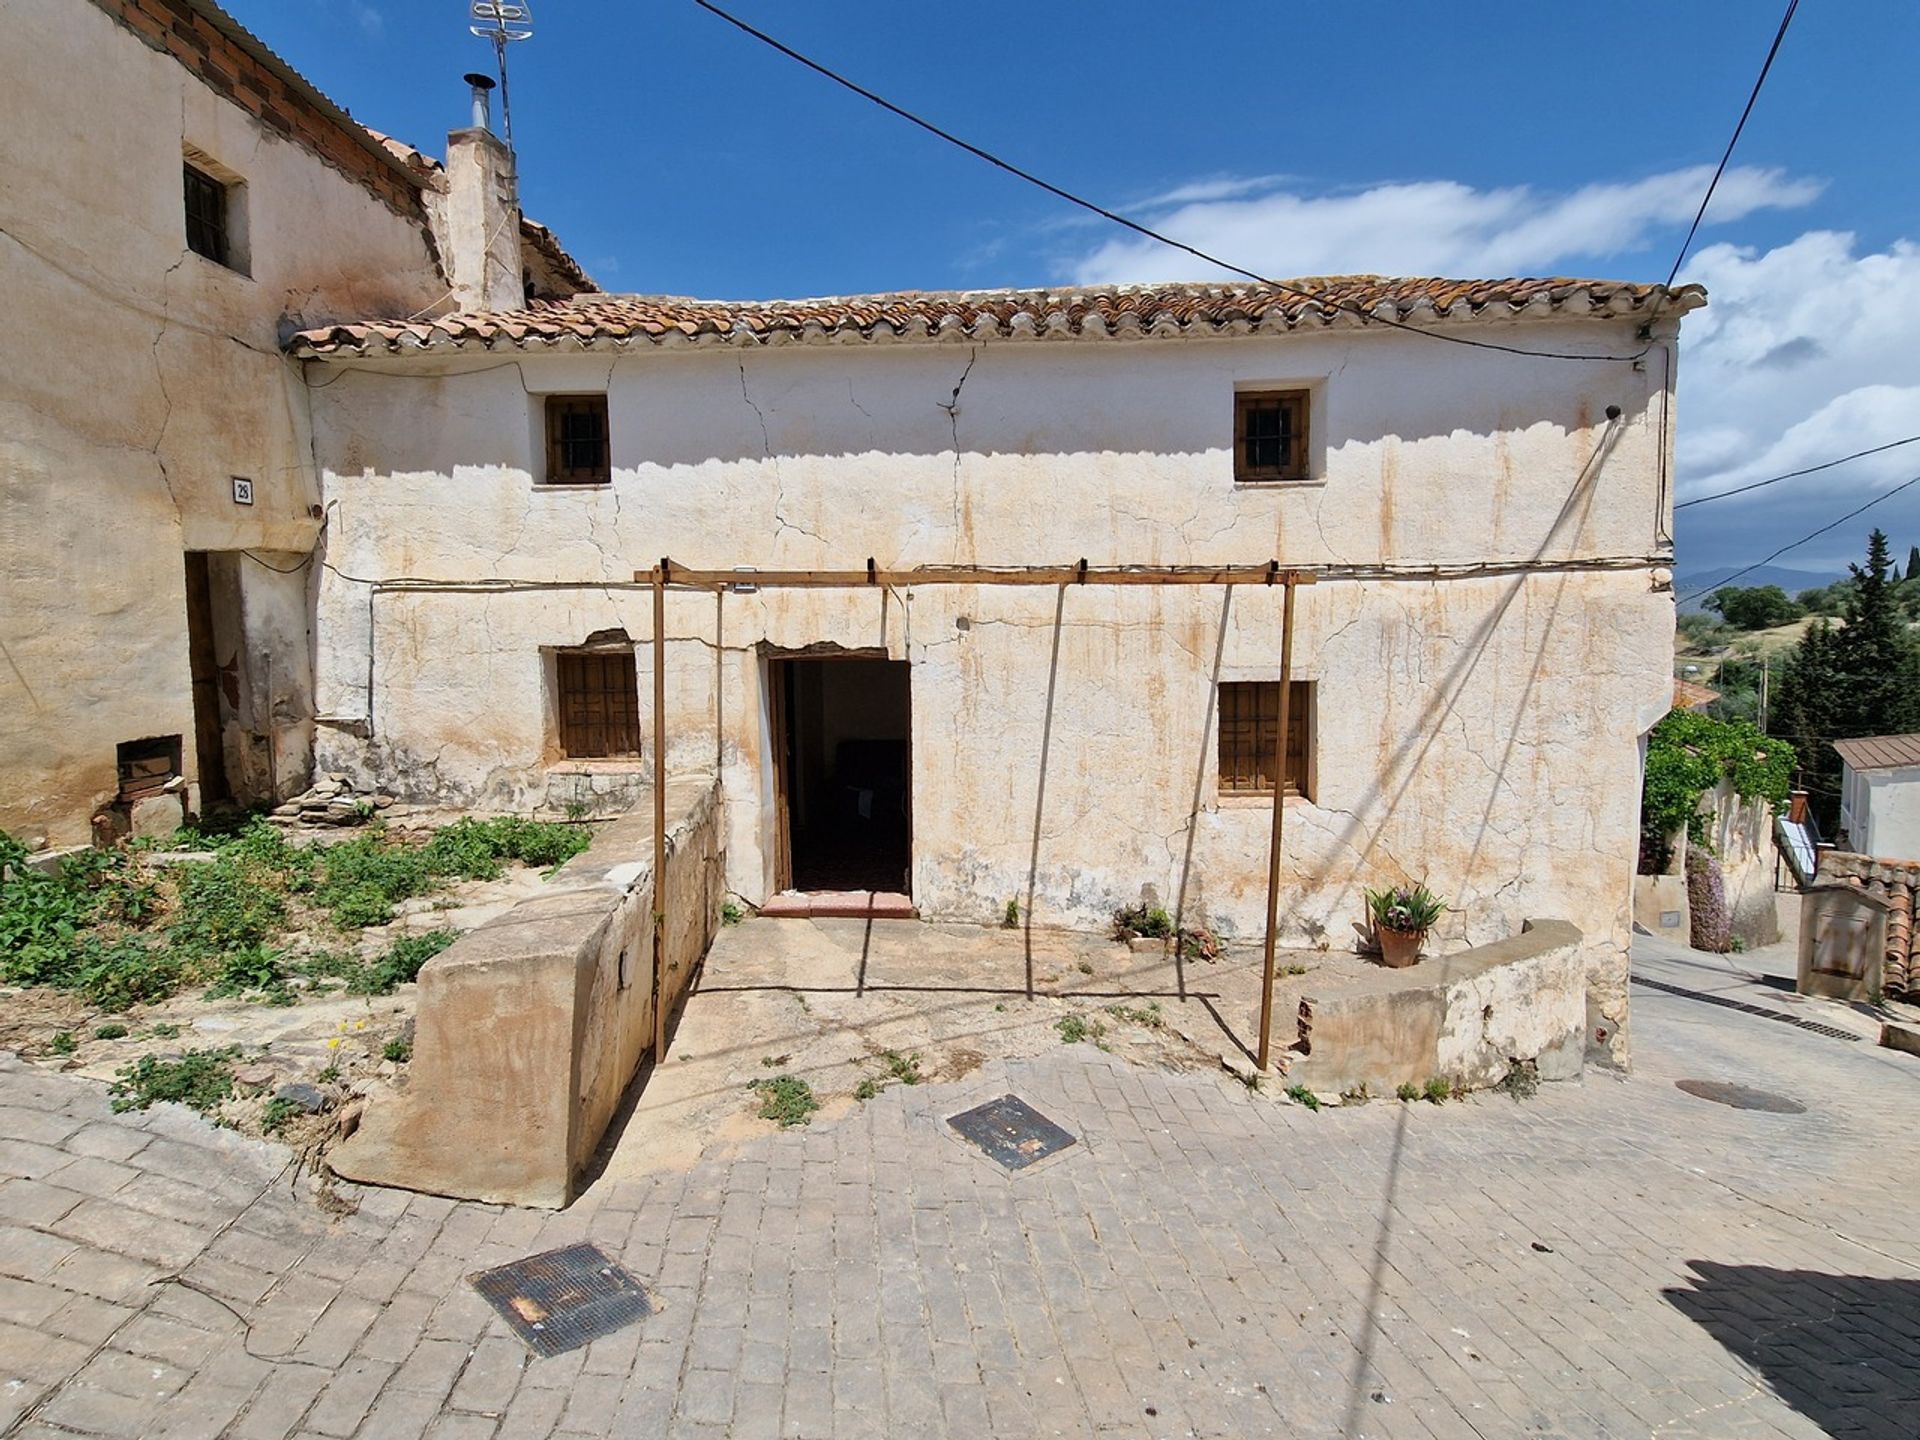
501,21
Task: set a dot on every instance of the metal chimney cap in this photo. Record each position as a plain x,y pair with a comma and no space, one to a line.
479,81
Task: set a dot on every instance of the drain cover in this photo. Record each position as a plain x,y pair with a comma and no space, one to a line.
560,1300
1011,1131
1741,1097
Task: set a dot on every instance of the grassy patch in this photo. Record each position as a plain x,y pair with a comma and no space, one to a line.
398,1050
904,1068
1301,1095
63,1043
1436,1090
200,1079
278,1113
787,1100
1147,1016
120,931
112,1030
867,1089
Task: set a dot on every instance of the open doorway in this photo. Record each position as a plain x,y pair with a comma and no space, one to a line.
842,772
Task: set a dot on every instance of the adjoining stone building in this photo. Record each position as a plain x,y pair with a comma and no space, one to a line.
176,200
1486,645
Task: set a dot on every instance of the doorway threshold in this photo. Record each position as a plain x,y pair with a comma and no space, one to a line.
838,904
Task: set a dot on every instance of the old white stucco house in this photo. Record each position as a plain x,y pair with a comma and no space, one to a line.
459,457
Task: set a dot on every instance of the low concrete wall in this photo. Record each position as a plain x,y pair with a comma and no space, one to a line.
531,1027
1465,1018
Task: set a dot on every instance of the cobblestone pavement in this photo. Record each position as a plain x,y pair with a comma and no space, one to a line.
1610,1258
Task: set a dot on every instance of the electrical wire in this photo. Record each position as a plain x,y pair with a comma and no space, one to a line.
1352,307
1796,474
1753,96
1722,584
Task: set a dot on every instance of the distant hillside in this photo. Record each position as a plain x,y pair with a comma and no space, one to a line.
1791,581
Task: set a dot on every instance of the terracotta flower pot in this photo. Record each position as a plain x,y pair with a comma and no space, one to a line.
1399,948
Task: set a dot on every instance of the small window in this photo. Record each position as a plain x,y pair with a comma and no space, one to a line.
598,703
1249,717
577,440
1270,435
208,231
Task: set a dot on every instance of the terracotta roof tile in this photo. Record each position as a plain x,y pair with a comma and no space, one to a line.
1146,310
1896,882
1689,696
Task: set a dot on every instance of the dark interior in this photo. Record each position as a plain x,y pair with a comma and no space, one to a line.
847,773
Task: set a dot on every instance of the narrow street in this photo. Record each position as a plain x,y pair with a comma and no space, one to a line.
1608,1258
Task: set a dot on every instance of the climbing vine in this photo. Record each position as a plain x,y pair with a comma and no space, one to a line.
1689,754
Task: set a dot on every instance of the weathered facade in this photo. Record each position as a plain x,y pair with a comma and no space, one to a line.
174,201
1483,651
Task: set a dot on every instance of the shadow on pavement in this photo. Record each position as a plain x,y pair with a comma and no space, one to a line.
1838,1348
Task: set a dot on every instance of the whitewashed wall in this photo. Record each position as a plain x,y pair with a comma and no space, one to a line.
1481,735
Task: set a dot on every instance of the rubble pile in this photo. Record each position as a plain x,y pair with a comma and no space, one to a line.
331,801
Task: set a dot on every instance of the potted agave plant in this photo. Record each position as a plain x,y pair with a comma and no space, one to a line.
1402,916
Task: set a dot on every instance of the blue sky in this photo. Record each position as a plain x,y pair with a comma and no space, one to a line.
673,154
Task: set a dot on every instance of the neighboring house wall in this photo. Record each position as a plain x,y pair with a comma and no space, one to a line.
1881,813
1478,733
137,378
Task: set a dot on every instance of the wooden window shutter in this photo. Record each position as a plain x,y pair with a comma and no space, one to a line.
1249,715
597,703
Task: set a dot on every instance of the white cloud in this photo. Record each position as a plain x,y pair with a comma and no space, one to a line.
1430,227
1804,353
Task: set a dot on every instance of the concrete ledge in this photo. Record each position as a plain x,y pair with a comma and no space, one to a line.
1465,1018
531,1027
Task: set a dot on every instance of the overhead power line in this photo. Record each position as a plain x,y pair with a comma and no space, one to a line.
1705,200
1148,232
1796,474
1722,584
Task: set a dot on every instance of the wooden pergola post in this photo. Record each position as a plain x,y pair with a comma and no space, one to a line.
1265,1060
660,810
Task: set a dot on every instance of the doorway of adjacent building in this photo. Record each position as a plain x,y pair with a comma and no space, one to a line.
209,724
842,772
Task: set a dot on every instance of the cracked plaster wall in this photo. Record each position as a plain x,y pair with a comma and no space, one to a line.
136,378
1479,734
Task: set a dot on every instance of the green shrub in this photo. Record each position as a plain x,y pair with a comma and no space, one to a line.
1408,1091
1437,1090
200,1079
112,1030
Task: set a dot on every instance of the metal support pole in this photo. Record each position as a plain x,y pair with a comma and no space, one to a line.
660,810
1279,816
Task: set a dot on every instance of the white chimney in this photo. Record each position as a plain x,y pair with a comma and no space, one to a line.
481,236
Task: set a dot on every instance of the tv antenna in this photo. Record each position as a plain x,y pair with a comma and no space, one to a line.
501,21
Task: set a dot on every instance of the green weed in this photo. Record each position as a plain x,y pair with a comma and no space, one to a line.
787,1100
867,1089
63,1043
1522,1080
904,1068
401,964
1147,921
200,1079
1010,918
1301,1095
1407,1091
252,967
731,913
1075,1028
1147,1016
398,1050
1437,1090
112,1030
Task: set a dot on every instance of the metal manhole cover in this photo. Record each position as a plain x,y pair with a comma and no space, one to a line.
559,1300
1741,1097
1011,1131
